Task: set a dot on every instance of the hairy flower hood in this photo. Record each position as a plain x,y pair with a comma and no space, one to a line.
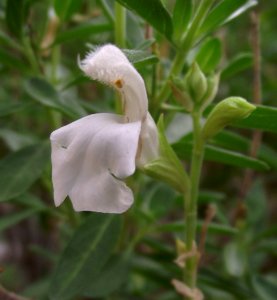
92,156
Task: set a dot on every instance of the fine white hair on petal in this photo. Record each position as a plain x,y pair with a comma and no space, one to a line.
90,157
109,65
102,64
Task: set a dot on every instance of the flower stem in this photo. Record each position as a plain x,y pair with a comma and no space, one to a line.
186,45
120,25
190,272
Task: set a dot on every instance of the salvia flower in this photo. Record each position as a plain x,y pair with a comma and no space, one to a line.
92,156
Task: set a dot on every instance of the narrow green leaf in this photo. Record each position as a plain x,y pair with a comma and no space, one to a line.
8,41
8,107
219,280
66,8
14,218
209,197
256,202
15,140
83,31
265,289
213,228
238,64
234,158
209,55
183,149
153,12
15,16
111,277
43,92
85,256
263,118
181,17
140,58
19,170
236,142
8,59
223,12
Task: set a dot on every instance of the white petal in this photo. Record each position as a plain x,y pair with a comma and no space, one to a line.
87,155
109,65
149,142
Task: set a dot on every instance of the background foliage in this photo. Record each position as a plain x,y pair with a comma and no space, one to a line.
55,253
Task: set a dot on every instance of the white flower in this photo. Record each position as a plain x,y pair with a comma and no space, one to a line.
92,156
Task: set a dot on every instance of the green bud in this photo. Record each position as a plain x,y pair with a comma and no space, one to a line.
180,94
196,83
224,113
212,82
167,167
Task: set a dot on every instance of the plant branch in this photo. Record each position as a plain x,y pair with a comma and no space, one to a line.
186,45
190,271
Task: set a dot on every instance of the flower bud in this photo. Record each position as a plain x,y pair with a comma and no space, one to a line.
167,167
196,83
224,113
212,82
180,94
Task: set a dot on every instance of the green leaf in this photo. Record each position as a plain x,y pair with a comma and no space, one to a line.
263,118
44,93
256,202
153,12
181,17
228,284
210,197
265,289
209,55
31,201
15,16
66,8
8,41
234,141
15,140
223,12
83,31
213,228
85,256
183,149
238,64
140,58
8,59
19,170
14,218
111,277
8,107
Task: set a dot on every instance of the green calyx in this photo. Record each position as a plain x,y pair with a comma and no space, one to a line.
196,89
224,113
167,167
180,93
196,83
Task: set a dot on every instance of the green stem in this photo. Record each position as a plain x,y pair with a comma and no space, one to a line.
190,273
186,45
56,55
120,25
30,55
